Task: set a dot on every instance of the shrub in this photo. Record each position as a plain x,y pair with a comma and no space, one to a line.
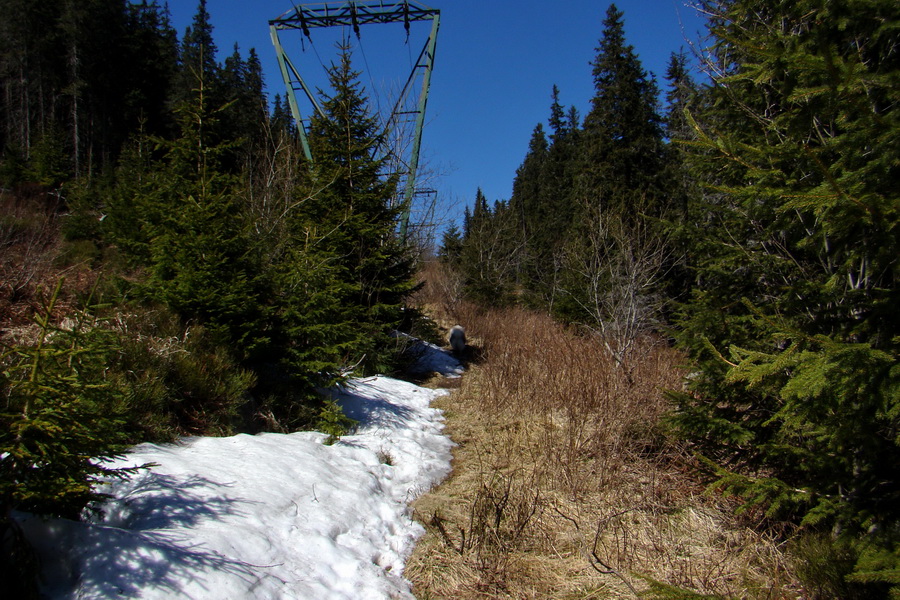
175,379
62,417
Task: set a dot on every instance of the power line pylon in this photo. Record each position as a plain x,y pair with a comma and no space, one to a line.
354,14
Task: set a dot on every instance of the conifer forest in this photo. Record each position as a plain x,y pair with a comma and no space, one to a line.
173,265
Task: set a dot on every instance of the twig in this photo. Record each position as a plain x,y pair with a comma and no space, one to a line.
438,524
608,570
592,557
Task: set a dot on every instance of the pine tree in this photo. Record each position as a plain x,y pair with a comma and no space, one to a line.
450,252
793,322
253,102
244,113
281,119
31,74
573,119
621,188
60,413
50,159
527,195
104,78
491,253
151,55
552,219
680,96
186,225
61,423
152,50
557,121
92,70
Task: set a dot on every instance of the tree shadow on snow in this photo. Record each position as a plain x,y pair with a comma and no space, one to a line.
426,359
372,412
120,562
159,501
140,542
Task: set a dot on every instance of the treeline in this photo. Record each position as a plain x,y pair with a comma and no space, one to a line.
80,78
215,279
753,218
584,233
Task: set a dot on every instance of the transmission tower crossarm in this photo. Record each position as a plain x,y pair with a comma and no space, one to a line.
353,14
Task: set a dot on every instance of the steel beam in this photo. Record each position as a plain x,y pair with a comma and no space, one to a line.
428,65
349,13
292,79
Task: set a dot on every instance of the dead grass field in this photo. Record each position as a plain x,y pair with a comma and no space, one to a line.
564,486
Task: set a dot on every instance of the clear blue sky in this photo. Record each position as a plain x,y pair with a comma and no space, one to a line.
495,65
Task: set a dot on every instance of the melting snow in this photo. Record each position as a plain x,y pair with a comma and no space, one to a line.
265,516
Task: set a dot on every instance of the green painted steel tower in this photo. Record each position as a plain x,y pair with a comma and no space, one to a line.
354,14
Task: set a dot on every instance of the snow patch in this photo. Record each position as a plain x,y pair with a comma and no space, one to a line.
265,516
430,358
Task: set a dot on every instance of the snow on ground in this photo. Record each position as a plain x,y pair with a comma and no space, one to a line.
429,358
266,516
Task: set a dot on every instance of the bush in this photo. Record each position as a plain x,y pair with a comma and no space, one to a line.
176,380
822,564
78,253
845,568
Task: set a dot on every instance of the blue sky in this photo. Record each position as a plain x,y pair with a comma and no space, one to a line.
495,65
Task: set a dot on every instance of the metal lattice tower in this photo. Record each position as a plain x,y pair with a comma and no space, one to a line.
354,14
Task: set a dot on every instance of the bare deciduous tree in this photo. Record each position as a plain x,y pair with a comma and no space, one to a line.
619,264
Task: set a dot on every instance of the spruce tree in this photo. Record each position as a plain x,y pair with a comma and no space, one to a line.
467,223
543,203
93,70
680,97
793,323
450,252
61,422
491,253
622,135
61,412
31,75
527,198
253,102
244,113
558,125
197,59
151,46
553,219
352,212
281,119
181,219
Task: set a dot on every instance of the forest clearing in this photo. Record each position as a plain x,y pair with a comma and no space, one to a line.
564,484
681,325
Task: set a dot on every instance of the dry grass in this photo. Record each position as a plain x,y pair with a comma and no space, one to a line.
30,244
564,485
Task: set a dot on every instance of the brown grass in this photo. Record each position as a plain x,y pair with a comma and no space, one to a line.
30,243
564,485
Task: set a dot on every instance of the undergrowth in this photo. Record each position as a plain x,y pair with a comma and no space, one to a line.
175,376
564,483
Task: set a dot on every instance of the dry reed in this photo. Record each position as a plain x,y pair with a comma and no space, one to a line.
564,485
